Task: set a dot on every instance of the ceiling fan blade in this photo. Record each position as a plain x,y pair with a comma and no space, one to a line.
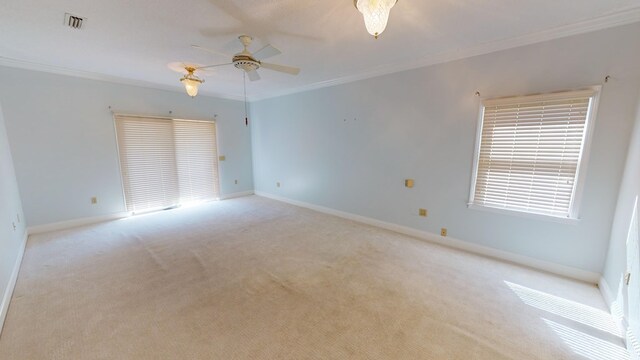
253,75
281,68
266,52
211,51
211,66
178,66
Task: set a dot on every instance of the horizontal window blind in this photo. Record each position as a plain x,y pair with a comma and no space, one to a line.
165,162
197,159
530,151
148,162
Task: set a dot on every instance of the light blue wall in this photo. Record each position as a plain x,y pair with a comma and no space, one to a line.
63,142
350,147
616,265
11,240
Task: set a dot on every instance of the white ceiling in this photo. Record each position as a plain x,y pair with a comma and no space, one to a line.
126,40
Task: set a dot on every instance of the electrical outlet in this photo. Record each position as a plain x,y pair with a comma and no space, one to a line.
422,212
278,184
94,200
443,232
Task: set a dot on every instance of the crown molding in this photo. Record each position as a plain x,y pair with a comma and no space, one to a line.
623,17
58,70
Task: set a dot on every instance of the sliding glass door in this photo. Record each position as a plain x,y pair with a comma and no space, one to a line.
165,162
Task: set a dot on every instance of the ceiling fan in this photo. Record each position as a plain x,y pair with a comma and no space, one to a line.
244,60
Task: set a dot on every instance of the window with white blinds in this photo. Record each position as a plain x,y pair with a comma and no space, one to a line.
530,152
165,162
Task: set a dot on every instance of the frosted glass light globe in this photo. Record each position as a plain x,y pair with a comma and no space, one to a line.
191,86
376,14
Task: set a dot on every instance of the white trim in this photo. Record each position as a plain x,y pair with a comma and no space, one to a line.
593,93
63,225
59,70
609,299
6,298
524,214
161,117
236,195
115,137
623,17
558,269
606,292
571,94
585,153
476,155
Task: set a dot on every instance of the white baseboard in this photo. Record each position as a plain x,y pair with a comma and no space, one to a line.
63,225
566,271
610,298
606,292
6,298
236,195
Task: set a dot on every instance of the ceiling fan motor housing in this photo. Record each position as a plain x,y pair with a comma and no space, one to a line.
245,62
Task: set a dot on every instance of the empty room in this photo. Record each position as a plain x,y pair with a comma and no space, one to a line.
303,179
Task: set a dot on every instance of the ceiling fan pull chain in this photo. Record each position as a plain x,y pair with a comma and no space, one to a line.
244,82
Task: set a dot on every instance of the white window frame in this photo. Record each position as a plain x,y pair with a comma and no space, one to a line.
574,207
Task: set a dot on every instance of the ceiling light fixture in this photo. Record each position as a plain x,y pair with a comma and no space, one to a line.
191,81
376,14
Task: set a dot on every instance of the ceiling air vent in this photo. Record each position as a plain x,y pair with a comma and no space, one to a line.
73,21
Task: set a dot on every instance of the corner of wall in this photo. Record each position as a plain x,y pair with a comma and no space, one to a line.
8,293
613,305
616,263
13,234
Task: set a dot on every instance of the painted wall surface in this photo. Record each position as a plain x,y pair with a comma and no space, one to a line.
11,240
350,147
616,264
62,137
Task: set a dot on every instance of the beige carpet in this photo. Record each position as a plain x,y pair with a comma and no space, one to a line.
252,278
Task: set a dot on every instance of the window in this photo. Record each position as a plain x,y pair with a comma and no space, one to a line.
165,162
530,152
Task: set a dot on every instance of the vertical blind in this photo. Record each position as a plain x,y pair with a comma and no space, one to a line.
165,162
530,151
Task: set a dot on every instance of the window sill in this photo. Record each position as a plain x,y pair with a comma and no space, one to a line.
551,218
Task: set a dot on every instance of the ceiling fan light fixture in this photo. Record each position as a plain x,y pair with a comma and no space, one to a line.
191,82
375,13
